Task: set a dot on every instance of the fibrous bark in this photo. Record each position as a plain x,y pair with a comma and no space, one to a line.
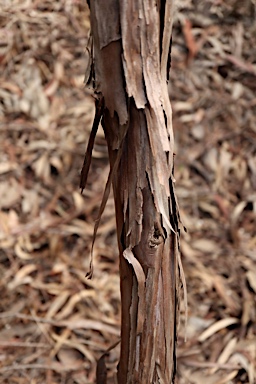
129,67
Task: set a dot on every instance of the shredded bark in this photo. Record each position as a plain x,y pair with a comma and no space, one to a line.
130,75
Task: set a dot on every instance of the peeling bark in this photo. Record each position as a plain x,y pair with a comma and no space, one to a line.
131,44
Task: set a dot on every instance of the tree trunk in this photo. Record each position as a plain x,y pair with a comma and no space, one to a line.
129,69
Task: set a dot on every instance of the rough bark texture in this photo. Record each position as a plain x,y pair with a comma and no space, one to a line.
131,43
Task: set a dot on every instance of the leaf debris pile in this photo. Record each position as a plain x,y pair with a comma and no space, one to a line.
54,323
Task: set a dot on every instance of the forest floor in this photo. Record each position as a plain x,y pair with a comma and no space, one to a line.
54,322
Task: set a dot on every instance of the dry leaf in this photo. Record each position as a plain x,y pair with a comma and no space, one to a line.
216,327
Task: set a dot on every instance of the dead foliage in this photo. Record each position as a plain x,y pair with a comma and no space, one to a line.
54,322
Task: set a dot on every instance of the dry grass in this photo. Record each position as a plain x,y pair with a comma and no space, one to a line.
54,323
